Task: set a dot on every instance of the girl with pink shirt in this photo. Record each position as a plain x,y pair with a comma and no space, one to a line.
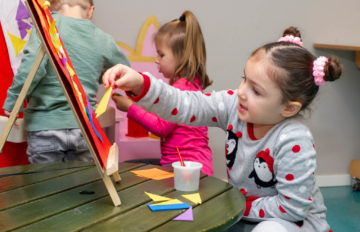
181,58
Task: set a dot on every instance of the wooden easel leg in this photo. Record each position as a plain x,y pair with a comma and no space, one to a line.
20,100
116,177
112,190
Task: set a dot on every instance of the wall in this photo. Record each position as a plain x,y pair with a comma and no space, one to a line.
233,29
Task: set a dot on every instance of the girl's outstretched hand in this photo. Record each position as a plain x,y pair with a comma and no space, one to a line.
123,77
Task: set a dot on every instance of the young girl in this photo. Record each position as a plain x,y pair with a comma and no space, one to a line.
181,58
271,156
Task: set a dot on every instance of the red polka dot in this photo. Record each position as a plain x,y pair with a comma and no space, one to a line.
261,213
230,127
286,197
239,134
289,177
243,191
230,92
310,199
214,119
192,118
330,230
208,94
282,209
157,100
174,111
296,148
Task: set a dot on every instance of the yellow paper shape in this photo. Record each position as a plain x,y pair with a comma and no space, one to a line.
17,43
153,173
171,202
157,198
54,37
103,102
71,71
194,197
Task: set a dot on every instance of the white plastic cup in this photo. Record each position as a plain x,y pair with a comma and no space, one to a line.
187,178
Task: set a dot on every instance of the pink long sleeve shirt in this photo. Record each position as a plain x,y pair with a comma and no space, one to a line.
191,141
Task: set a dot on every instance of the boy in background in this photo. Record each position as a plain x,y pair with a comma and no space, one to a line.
52,131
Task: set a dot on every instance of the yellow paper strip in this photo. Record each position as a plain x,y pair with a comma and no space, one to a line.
103,102
171,202
157,198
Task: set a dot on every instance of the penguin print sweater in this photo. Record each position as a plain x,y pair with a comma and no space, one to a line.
275,173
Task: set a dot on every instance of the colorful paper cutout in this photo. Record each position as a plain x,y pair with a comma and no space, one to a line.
157,198
194,197
103,102
17,43
153,173
169,202
168,207
21,16
186,216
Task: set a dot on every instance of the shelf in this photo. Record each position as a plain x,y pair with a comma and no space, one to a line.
356,49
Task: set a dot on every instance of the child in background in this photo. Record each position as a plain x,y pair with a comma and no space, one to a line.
181,58
271,155
53,134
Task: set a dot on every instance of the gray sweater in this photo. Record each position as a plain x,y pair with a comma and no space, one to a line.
276,172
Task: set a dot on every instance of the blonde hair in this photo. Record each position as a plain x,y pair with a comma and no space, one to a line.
55,5
185,39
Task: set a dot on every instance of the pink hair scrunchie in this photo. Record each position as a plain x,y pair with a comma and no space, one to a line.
291,39
318,70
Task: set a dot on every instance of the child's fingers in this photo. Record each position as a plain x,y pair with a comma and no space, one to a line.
110,75
7,114
105,78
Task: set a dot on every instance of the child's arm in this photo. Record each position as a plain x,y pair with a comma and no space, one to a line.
183,107
294,166
151,121
114,55
148,120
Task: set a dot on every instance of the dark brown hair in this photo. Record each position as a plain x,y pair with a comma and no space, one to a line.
186,41
292,69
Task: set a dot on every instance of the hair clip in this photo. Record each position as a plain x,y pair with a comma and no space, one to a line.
182,18
291,39
318,70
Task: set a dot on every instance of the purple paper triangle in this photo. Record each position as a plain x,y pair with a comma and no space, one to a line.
186,216
23,26
22,12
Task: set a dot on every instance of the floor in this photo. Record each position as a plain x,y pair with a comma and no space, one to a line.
343,205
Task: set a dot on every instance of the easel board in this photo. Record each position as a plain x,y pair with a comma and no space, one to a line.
104,154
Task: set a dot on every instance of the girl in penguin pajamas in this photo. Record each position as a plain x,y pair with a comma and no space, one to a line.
272,158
